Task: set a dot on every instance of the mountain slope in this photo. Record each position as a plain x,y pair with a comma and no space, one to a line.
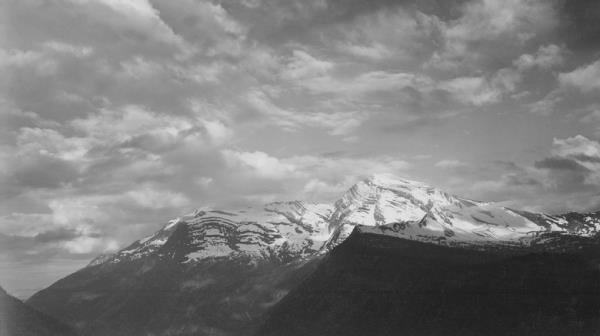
379,285
17,319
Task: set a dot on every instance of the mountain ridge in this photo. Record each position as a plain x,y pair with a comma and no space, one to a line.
215,271
399,207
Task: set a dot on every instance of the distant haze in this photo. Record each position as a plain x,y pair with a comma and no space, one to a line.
116,116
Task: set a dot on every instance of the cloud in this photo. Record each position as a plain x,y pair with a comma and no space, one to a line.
567,179
472,90
43,171
311,177
394,34
450,164
585,78
545,58
66,48
328,177
207,27
302,65
336,122
557,163
17,60
374,51
592,117
578,147
259,163
488,27
574,165
86,245
367,82
547,105
491,18
59,234
149,197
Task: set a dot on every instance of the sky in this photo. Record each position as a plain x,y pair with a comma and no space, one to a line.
118,115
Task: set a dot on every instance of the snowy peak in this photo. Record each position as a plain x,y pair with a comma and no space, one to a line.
387,205
384,199
392,181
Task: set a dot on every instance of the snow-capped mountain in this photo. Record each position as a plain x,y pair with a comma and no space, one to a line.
391,206
380,204
217,271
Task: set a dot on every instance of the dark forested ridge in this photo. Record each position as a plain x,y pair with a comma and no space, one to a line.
377,285
17,319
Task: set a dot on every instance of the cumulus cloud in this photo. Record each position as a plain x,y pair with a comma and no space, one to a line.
546,57
259,163
578,147
585,78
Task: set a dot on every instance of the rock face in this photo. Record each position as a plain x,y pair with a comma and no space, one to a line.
373,284
215,272
17,319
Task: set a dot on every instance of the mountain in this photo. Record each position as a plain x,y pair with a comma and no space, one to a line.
17,319
216,272
374,284
210,272
283,230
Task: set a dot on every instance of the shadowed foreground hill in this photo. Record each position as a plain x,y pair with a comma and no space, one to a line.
377,285
17,319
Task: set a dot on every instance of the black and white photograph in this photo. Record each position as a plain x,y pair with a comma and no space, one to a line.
299,168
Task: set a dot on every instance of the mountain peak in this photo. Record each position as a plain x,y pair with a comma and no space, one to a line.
389,205
420,193
391,181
